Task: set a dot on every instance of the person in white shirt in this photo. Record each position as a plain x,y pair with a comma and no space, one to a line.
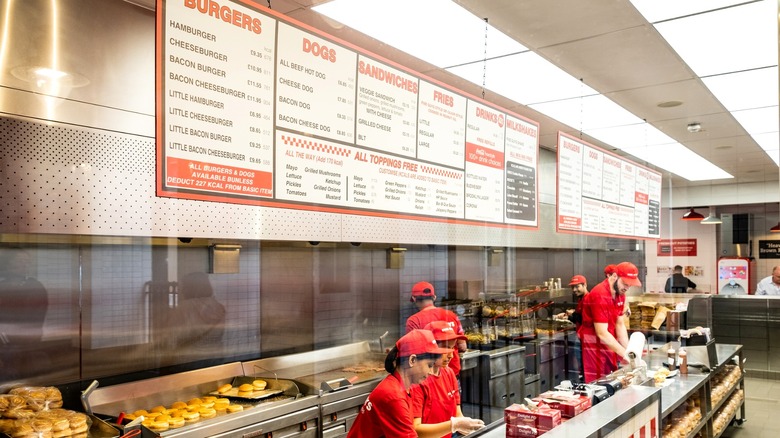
770,285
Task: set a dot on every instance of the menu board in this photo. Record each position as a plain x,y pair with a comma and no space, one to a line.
601,193
255,108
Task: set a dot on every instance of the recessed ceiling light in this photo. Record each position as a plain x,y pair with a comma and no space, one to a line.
669,104
694,127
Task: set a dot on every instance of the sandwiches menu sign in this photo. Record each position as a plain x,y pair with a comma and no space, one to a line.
255,108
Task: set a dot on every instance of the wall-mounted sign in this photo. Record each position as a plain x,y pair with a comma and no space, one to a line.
676,248
769,249
601,193
256,108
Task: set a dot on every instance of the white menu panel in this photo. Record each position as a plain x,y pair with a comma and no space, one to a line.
218,102
256,108
441,126
601,193
315,85
387,108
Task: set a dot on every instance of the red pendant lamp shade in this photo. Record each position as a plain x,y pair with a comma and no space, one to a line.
692,216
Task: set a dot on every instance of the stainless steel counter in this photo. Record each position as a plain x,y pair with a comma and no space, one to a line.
627,403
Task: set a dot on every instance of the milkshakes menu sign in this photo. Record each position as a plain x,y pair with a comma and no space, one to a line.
255,108
602,193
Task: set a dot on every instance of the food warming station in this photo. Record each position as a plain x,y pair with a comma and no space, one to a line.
320,394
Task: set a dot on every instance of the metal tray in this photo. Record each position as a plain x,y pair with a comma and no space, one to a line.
274,387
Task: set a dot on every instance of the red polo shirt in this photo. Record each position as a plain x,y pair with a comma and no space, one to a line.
387,412
436,399
599,306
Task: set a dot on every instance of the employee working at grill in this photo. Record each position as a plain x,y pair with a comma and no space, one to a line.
579,286
387,412
424,296
603,331
436,401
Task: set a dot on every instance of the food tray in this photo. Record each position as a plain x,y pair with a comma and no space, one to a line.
274,387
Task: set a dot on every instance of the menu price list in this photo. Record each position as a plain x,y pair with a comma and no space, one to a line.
319,171
206,77
520,192
627,203
312,121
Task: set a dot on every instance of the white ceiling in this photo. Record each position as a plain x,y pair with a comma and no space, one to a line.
614,50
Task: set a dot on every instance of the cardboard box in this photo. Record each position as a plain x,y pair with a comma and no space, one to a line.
513,431
570,405
543,417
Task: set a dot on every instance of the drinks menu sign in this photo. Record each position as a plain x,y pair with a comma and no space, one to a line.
601,193
255,108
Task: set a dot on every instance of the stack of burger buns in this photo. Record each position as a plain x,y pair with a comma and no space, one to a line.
36,412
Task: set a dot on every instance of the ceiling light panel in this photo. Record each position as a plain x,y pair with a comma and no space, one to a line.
658,10
590,112
758,120
439,31
746,89
629,137
770,143
681,161
526,78
727,40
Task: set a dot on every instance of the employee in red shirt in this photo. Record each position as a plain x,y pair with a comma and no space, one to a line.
603,332
424,296
387,412
436,401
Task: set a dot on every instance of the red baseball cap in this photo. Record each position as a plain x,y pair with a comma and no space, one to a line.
443,331
609,270
578,279
418,342
422,289
628,273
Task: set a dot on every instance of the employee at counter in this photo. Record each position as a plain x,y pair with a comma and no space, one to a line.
603,331
770,285
387,412
436,401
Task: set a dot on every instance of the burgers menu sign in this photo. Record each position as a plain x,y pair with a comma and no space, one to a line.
601,193
257,109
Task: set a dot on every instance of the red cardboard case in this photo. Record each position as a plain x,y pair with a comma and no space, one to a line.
543,417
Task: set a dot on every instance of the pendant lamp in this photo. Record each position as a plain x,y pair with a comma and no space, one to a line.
692,215
775,229
712,219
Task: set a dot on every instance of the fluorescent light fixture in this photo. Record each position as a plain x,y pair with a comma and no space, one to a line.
437,31
758,120
770,143
726,40
746,89
508,75
681,161
629,137
590,112
657,10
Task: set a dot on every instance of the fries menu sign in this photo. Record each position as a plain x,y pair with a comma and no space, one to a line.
255,108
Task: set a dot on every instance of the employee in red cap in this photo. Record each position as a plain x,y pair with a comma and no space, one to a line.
436,401
424,296
387,412
579,287
609,270
603,331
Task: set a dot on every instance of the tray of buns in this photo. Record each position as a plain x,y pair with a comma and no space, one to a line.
249,388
